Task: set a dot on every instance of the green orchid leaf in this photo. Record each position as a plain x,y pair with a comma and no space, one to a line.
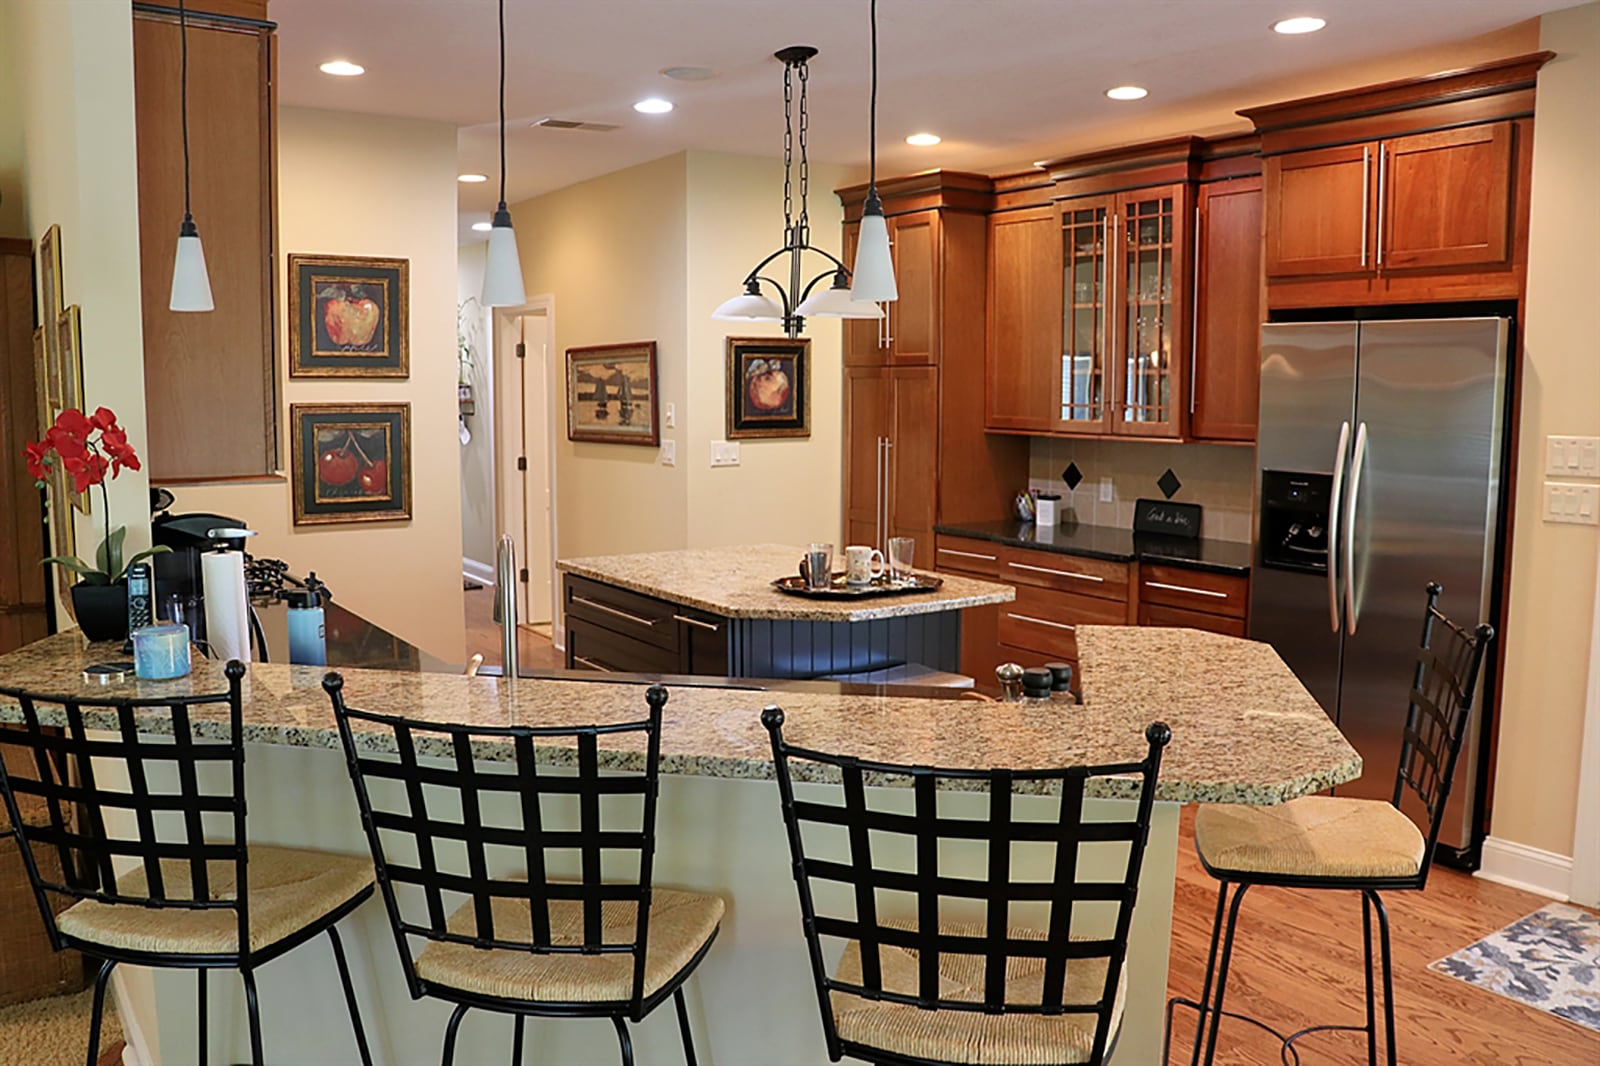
90,575
108,556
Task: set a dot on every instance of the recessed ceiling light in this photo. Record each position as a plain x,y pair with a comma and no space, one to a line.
471,179
483,227
1127,92
653,105
1299,24
689,73
342,68
923,140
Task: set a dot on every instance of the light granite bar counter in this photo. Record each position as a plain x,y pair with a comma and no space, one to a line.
1244,731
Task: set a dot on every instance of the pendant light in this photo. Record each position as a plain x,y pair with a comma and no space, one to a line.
191,285
502,274
799,299
873,278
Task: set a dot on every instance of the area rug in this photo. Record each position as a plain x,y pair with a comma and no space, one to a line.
1549,960
54,1031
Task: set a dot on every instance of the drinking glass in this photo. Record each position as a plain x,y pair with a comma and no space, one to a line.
901,550
819,565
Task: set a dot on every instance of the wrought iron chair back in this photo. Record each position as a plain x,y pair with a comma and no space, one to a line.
95,825
1064,899
422,788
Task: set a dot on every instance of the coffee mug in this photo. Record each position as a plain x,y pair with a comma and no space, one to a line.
862,564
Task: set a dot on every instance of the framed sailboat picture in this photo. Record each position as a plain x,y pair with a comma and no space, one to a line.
611,394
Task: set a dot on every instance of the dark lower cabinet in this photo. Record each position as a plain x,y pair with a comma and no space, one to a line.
616,629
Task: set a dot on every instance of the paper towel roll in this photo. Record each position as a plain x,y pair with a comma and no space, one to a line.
227,608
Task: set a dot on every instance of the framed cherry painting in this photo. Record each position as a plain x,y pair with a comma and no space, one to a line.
350,462
348,317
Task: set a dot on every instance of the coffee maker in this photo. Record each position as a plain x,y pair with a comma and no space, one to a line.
179,587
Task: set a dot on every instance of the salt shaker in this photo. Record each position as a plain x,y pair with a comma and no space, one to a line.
1009,675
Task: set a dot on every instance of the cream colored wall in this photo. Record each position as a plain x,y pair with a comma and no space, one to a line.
783,491
611,253
1553,566
477,456
370,185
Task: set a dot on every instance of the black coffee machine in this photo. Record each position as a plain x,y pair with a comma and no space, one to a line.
178,584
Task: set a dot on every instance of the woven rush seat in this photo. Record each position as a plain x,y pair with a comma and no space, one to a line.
1314,836
289,890
973,1036
680,925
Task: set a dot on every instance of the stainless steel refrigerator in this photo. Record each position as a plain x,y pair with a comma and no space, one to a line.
1378,471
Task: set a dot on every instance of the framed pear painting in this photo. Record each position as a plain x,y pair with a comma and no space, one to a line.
348,317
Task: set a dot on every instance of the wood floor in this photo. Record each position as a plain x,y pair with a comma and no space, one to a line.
1297,962
483,635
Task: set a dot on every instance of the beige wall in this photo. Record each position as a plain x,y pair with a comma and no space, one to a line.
1553,566
477,456
383,187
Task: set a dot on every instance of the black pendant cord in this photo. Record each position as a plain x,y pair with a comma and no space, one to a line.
502,106
183,109
872,114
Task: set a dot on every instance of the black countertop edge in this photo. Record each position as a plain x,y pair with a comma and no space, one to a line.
1114,545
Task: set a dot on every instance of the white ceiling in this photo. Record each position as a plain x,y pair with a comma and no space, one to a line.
1003,81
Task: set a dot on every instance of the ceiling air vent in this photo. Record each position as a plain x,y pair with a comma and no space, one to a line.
572,124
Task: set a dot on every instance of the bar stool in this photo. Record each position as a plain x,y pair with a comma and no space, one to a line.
523,944
920,988
199,897
1338,842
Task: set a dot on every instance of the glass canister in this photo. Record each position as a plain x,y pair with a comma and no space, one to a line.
161,653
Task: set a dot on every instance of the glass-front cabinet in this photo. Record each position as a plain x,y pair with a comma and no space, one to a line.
1125,312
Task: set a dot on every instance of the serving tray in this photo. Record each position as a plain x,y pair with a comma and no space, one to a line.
838,589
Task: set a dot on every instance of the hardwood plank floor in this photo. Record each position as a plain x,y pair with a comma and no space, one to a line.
1297,962
483,635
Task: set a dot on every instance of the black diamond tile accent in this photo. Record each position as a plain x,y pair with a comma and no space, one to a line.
1169,484
1072,476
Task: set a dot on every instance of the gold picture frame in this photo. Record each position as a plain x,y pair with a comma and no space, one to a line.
350,462
69,371
59,526
50,287
768,388
349,317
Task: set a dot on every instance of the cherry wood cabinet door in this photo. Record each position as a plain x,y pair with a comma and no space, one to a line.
1148,350
1225,382
866,427
1445,198
913,476
865,339
1022,357
914,317
1082,400
1319,211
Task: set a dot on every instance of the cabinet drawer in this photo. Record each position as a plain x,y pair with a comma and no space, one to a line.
1194,590
1155,614
638,617
966,555
1046,621
592,647
1068,573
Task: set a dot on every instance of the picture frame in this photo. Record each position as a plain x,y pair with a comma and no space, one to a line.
612,394
68,372
768,388
50,285
350,462
59,521
349,317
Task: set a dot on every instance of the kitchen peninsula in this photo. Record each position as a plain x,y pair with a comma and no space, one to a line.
1244,731
714,611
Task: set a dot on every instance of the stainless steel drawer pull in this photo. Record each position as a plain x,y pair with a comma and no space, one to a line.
1041,622
636,619
696,623
1186,588
591,664
967,555
1058,573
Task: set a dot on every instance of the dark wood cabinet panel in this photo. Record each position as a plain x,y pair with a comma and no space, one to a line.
1025,307
22,580
913,456
1225,365
1445,198
1318,211
210,382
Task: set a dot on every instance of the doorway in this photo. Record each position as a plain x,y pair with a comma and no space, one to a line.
525,376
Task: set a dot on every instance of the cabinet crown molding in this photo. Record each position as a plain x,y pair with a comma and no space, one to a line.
925,190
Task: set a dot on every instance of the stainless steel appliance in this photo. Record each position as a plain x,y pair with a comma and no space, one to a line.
1379,470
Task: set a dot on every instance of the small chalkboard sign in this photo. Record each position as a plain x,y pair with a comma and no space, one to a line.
1164,516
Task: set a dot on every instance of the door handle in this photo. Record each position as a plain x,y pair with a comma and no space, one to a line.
967,555
1194,311
696,623
1378,239
1366,200
1333,526
590,663
1042,622
1058,573
1356,466
636,619
888,494
1186,588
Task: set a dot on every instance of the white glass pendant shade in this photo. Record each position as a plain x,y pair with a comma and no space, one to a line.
502,274
749,306
836,302
191,285
873,276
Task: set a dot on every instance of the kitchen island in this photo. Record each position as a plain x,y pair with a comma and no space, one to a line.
714,611
1244,731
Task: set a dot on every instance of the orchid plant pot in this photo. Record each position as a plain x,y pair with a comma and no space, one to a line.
102,611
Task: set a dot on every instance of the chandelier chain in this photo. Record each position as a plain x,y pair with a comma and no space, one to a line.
805,161
788,150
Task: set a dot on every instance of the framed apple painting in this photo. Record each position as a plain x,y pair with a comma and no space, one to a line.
769,387
348,316
351,462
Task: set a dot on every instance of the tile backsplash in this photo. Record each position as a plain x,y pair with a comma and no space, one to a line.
1218,477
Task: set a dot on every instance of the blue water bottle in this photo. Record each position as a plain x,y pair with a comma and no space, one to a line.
308,644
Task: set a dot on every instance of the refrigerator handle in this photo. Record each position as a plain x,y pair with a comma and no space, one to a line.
1356,465
1333,525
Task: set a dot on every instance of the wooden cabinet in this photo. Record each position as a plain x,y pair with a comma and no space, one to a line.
1225,365
909,332
23,617
1022,376
866,426
891,453
1318,211
617,630
210,386
1196,599
980,626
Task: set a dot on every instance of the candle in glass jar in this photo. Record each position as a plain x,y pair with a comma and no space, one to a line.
161,653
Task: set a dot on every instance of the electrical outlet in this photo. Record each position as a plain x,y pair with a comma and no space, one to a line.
724,453
1576,504
669,453
1106,490
1572,456
669,417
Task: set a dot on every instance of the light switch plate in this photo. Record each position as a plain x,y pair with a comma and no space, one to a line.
1572,456
1575,504
669,453
669,416
724,453
1106,492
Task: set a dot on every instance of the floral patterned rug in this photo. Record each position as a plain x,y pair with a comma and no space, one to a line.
1549,960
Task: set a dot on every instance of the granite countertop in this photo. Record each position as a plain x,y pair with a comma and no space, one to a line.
1116,545
1244,729
736,583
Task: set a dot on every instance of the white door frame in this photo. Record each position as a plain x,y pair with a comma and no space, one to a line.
510,508
1586,838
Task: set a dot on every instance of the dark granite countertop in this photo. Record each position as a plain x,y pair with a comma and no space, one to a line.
1116,545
